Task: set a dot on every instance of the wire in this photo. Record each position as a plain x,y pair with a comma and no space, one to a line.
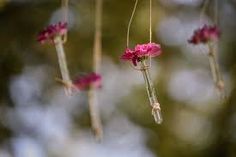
150,22
130,22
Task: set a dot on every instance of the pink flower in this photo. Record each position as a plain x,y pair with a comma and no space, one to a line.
87,81
141,51
52,31
130,55
150,49
205,34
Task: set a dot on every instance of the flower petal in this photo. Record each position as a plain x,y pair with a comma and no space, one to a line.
51,31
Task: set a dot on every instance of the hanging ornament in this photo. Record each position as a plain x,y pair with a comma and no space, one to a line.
91,82
140,58
97,58
209,35
57,35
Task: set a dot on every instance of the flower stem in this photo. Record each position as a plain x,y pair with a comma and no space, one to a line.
156,110
217,78
63,65
94,114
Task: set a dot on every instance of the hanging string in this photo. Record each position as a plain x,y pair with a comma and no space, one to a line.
130,22
150,27
64,8
216,13
97,49
150,20
203,10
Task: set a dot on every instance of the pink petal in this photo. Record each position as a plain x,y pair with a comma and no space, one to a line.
205,34
51,31
128,54
155,49
86,81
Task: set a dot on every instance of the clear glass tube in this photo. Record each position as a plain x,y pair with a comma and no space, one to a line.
94,113
217,78
156,110
63,65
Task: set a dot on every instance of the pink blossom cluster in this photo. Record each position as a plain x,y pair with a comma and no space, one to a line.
84,82
51,31
205,34
141,52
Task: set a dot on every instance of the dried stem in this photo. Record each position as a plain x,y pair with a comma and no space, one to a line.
156,110
130,22
97,54
217,78
62,64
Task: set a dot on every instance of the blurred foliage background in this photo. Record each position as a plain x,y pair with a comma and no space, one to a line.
37,120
